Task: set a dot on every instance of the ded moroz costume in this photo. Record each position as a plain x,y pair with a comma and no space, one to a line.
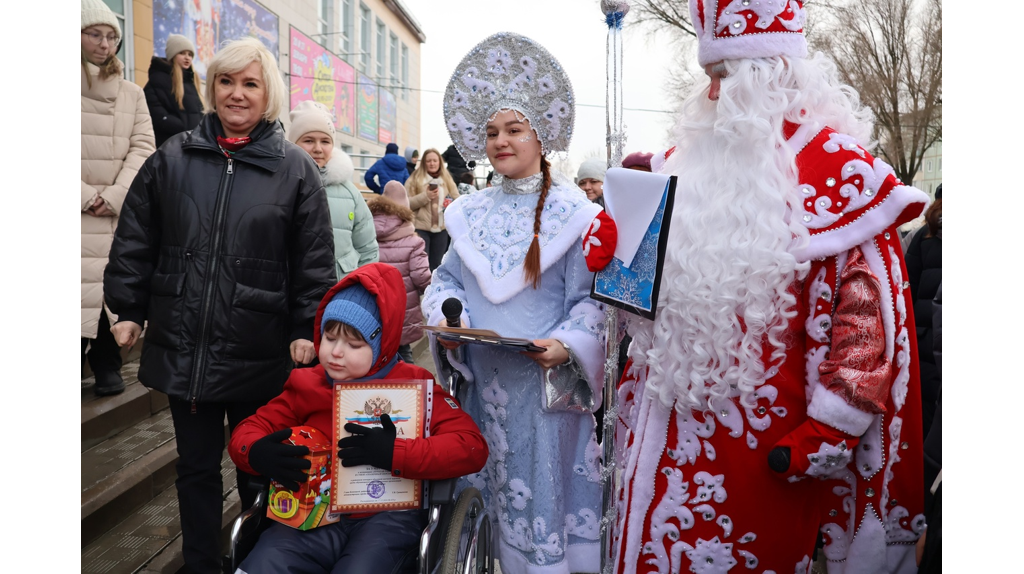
775,395
541,481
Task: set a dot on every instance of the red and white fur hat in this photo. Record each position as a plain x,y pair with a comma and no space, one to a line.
736,29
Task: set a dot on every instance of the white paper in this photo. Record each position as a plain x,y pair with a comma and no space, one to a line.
631,198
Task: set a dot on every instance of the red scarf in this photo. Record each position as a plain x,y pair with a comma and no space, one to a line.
230,145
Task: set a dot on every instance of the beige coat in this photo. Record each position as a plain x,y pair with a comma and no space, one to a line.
423,207
117,137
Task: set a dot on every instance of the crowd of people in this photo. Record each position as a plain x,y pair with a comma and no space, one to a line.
784,403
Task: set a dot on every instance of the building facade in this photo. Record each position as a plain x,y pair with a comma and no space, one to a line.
361,58
930,175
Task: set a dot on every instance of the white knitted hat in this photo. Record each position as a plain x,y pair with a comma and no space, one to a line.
309,116
96,12
593,168
176,44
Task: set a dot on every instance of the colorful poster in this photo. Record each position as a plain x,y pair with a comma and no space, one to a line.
367,108
318,75
388,117
210,23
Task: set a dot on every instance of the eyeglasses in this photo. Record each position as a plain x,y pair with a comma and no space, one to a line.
97,38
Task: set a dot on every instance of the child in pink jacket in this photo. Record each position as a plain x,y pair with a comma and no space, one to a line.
401,247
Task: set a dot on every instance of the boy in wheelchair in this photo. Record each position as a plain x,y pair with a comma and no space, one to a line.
356,335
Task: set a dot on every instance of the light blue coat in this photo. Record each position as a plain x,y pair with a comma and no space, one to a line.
542,479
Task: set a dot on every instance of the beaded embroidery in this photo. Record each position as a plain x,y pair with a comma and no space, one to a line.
508,72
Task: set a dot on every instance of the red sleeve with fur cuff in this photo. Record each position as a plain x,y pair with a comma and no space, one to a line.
599,242
857,369
454,448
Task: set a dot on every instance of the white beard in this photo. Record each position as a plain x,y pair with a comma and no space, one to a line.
726,293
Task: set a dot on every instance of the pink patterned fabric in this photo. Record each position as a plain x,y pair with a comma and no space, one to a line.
858,370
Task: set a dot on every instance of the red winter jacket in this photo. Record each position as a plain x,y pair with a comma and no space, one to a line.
455,446
401,247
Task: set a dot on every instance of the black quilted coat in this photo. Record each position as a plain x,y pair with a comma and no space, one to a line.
226,259
168,118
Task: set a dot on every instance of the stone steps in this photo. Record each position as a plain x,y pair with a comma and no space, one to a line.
129,503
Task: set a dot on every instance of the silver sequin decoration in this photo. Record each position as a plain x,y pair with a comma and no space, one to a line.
507,71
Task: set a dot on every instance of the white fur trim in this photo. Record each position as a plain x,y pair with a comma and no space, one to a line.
590,353
498,291
339,168
867,553
651,442
831,409
803,136
748,45
869,224
900,559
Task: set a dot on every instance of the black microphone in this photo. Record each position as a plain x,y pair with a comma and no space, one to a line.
452,309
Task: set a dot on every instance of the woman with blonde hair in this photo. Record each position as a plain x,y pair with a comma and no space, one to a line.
429,185
173,92
117,137
225,247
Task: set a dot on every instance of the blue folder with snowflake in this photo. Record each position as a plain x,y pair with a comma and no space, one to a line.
640,203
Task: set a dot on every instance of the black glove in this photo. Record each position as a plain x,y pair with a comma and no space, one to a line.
281,462
372,446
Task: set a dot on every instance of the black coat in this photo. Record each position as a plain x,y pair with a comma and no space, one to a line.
168,118
455,163
226,259
924,270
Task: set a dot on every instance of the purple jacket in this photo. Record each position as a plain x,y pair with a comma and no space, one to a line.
402,248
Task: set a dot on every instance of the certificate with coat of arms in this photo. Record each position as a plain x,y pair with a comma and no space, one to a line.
367,488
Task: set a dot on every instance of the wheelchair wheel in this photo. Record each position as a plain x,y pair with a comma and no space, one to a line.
467,545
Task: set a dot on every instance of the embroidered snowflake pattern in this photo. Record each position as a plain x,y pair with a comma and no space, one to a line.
829,461
711,557
710,487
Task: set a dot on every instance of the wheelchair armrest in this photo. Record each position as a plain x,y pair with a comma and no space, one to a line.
239,529
442,491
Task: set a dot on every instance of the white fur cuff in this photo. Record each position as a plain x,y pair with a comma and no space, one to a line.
831,409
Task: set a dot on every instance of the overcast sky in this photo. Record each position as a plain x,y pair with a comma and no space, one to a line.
575,33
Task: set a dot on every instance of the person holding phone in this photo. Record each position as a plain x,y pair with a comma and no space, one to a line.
517,266
429,186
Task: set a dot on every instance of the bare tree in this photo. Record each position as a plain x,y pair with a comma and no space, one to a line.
891,52
668,14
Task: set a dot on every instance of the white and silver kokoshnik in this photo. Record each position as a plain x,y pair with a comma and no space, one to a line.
507,71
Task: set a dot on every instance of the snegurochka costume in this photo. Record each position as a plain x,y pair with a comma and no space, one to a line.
698,491
542,481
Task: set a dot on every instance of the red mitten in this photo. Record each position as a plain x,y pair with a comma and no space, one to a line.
599,242
812,449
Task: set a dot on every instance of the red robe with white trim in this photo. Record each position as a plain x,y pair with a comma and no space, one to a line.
698,494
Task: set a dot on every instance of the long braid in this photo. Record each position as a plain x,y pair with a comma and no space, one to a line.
531,267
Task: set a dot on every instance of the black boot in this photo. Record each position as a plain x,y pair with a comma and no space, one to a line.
108,383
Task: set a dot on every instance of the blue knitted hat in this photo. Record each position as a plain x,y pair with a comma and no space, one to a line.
355,306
